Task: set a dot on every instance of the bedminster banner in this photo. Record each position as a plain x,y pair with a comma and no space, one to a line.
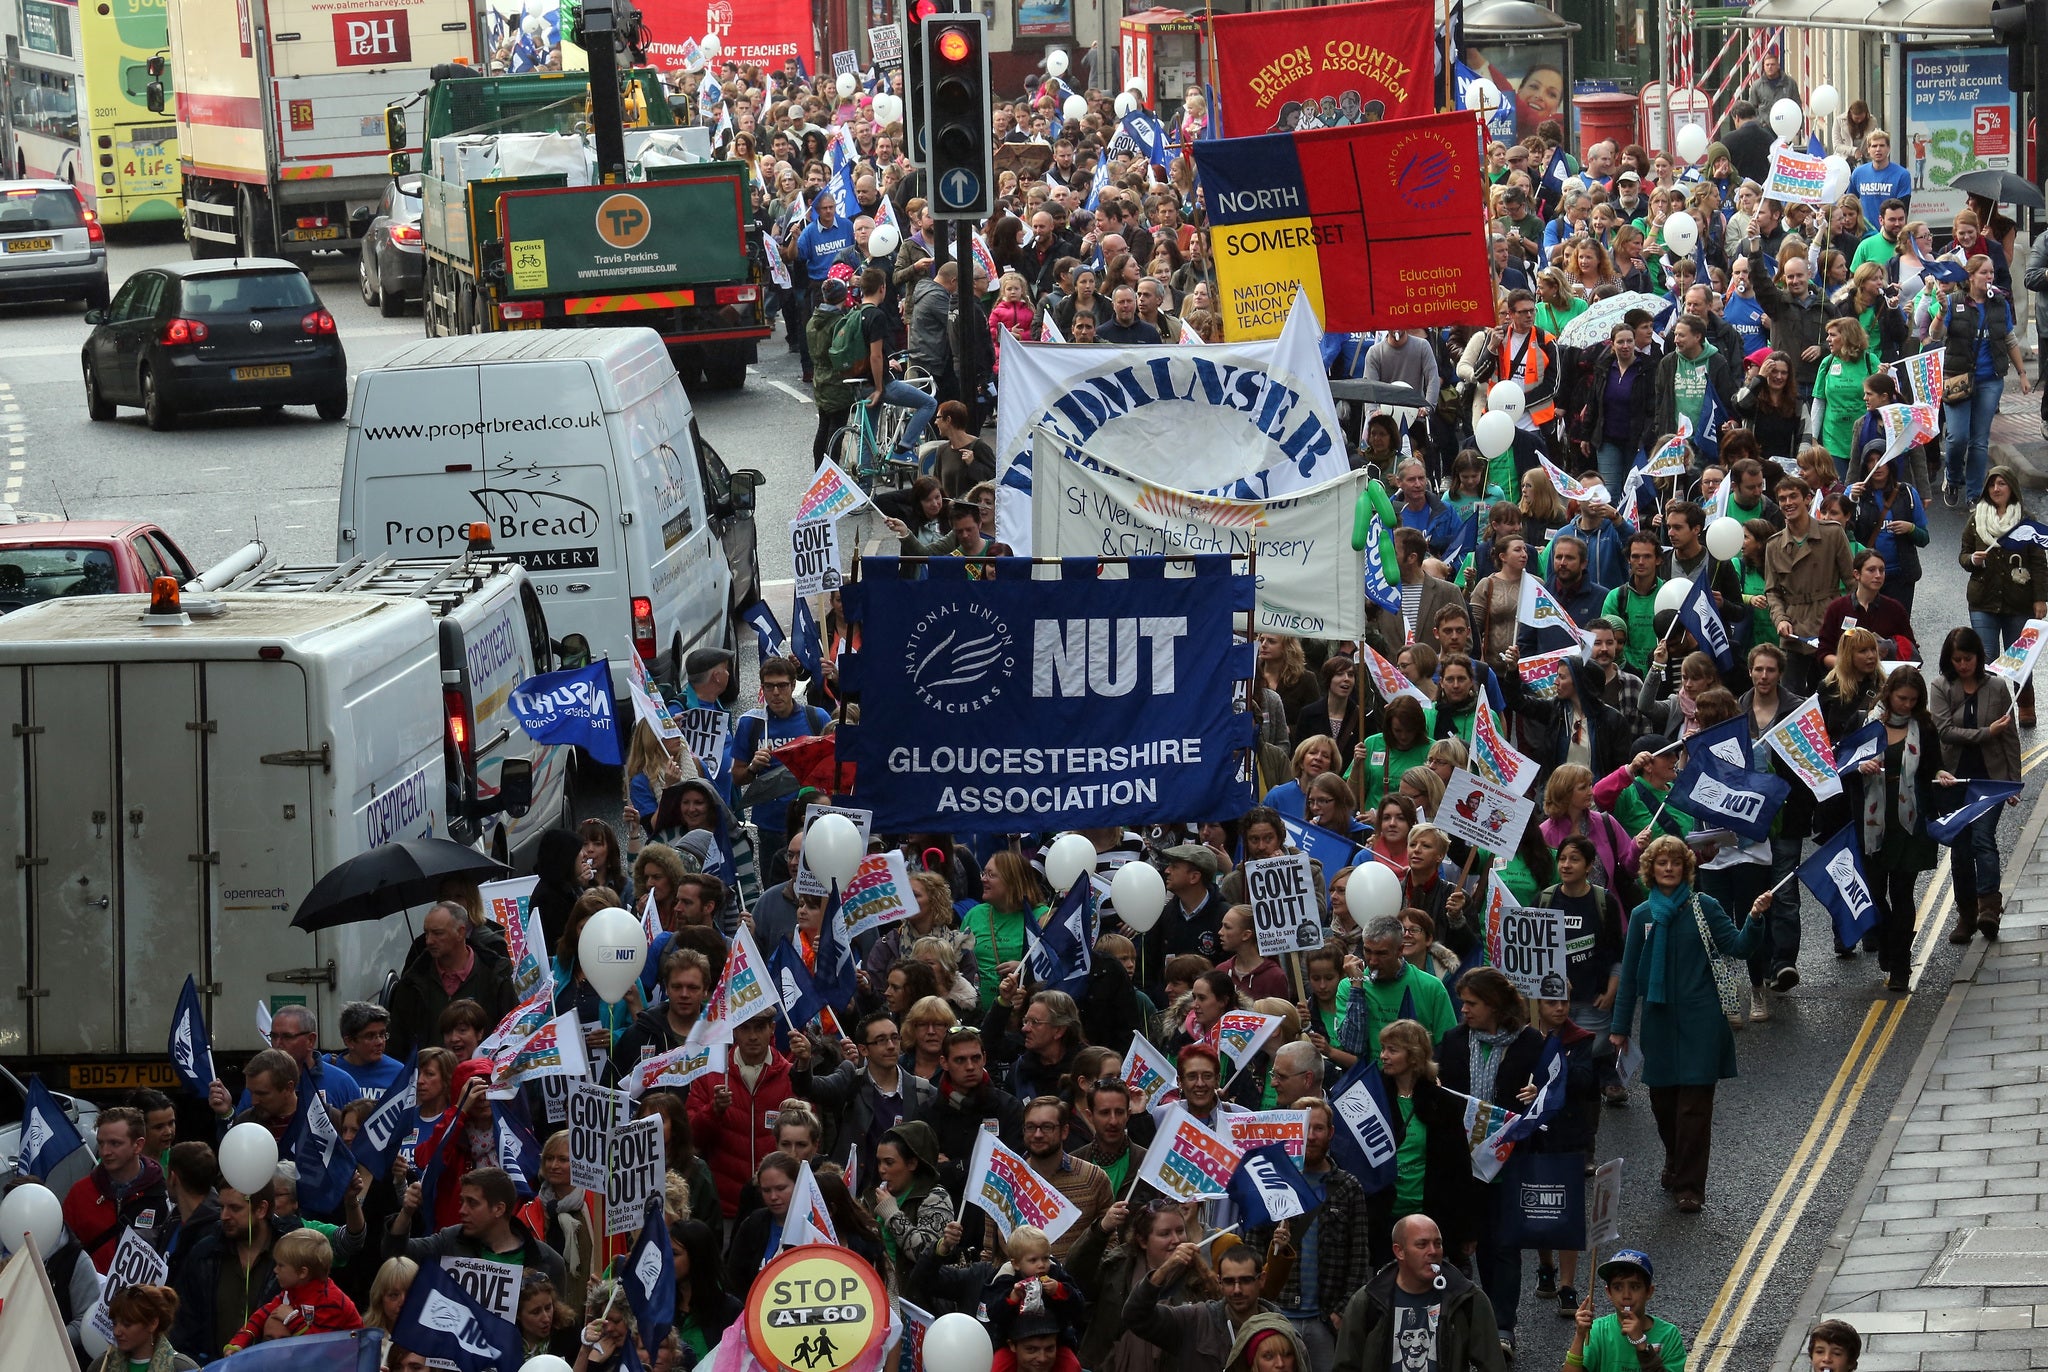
1012,703
1383,225
1287,70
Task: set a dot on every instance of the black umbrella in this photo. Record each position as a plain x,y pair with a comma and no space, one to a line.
2001,188
391,878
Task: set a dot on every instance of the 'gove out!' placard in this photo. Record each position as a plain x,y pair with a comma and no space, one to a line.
1282,892
1526,944
814,552
637,1167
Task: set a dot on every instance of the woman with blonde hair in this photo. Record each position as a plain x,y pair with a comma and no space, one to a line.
1314,755
1865,300
1433,1175
1283,670
1568,809
1838,404
1424,786
1667,972
652,766
1544,511
924,1036
1589,265
388,1290
1556,303
943,958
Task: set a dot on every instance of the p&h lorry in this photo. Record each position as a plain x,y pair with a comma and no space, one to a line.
280,112
543,209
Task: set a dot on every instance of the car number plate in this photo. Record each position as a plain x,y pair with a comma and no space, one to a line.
121,1076
329,231
264,373
29,245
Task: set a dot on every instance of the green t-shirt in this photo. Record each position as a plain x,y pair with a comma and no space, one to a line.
1689,383
1379,775
1608,1349
1411,1158
1383,1005
1840,384
1639,613
1002,933
1634,811
1872,249
1552,320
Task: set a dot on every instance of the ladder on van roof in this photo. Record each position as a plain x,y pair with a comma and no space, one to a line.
442,584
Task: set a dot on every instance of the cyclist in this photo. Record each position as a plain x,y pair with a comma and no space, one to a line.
874,289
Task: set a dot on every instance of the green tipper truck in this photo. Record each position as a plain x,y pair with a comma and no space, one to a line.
517,236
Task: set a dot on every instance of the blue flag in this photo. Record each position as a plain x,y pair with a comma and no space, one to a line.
833,977
1551,1089
800,1000
326,1166
1723,797
47,1134
1835,875
804,642
573,707
768,636
650,1278
1467,540
1697,613
1550,189
1332,850
518,1149
2028,533
1860,747
1212,127
353,1350
388,1126
1100,181
1378,589
1706,435
1060,954
191,1050
1944,270
1145,131
1978,797
1269,1188
1728,741
440,1320
1362,1143
1814,147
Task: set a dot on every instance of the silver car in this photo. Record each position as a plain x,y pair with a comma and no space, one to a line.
14,1104
51,246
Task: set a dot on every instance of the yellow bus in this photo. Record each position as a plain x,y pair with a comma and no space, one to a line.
75,104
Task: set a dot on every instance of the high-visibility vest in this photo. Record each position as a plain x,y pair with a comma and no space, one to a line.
1533,364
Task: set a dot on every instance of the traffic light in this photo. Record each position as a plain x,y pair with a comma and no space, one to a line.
958,124
2023,26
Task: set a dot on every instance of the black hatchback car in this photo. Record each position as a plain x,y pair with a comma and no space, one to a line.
240,333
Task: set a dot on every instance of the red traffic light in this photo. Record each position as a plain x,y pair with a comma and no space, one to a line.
953,45
920,8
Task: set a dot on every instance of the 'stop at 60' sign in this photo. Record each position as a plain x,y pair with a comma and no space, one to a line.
816,1308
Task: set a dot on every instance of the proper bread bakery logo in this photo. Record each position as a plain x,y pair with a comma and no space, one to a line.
959,657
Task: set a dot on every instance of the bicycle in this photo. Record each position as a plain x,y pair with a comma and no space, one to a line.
863,447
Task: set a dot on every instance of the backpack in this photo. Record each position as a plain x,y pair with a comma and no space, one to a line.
849,343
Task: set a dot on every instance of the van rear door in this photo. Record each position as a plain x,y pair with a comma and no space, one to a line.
417,458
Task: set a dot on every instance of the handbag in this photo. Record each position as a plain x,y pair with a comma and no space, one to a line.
1731,975
1540,1200
1956,389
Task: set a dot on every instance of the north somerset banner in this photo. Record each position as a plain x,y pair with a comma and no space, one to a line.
1011,704
1246,420
1307,570
1382,225
1285,71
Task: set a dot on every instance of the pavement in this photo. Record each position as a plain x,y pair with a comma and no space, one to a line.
1940,1258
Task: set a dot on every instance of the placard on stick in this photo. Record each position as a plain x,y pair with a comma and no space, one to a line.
1282,891
636,1173
594,1113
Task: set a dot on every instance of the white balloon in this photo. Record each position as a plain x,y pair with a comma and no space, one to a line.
1681,232
1075,109
1069,857
89,1339
1824,101
1672,594
1494,433
1486,97
1507,397
710,47
1690,143
832,847
1724,537
887,108
846,85
611,951
957,1343
34,1210
1837,178
545,1362
1787,118
884,240
1139,894
1055,61
1125,103
248,1157
1372,890
1135,81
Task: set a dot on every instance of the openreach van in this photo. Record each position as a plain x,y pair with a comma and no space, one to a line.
177,783
580,450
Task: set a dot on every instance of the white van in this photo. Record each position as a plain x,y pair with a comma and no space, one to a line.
579,448
492,634
175,788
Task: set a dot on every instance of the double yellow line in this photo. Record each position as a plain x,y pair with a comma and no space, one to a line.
1753,1267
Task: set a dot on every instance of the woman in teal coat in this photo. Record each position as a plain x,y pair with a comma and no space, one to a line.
1687,1047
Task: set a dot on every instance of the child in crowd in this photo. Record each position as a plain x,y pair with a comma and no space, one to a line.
308,1302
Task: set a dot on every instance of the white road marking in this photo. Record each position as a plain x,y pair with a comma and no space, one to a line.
792,392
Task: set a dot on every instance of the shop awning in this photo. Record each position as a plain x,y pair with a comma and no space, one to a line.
1967,18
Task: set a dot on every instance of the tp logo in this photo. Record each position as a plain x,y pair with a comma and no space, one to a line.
623,220
372,37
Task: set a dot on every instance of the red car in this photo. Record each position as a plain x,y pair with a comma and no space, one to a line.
44,559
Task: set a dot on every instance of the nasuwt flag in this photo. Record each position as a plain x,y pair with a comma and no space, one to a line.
1493,758
2016,663
1006,1188
1379,587
1390,681
191,1049
1383,225
1542,674
1835,874
572,707
1344,64
1978,797
521,1022
1801,738
1148,1073
1186,1160
1239,1034
388,1126
1487,1129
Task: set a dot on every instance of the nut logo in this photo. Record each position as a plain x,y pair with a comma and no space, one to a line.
1424,170
623,221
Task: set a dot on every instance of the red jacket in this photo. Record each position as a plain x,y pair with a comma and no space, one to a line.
735,1140
96,1221
323,1309
451,1140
